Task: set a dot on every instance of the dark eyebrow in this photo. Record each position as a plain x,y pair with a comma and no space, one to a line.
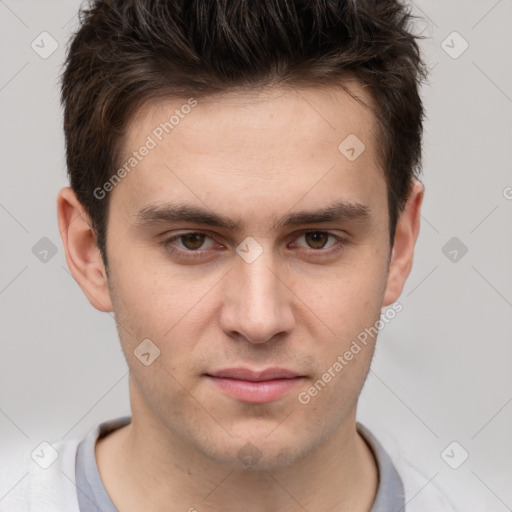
171,212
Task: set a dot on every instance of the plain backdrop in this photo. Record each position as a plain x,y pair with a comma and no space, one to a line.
441,373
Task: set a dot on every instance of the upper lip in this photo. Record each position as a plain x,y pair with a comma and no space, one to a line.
255,375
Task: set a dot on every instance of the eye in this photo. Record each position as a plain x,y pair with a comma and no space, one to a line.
198,245
317,239
190,242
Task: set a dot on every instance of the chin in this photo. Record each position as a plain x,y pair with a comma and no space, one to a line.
260,455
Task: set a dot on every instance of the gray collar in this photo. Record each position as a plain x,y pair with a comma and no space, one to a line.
92,496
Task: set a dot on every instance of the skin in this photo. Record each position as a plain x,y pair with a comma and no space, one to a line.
297,306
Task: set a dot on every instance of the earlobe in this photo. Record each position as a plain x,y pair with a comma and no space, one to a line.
406,234
82,254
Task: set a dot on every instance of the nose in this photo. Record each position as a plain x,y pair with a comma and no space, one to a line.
256,303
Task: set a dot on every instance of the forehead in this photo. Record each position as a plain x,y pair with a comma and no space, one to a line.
240,150
237,115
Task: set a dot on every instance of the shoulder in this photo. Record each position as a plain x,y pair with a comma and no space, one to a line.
422,494
42,476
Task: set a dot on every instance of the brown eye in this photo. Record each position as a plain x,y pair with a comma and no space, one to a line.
320,243
316,239
191,245
192,241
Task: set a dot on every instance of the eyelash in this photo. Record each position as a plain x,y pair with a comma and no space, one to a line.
190,254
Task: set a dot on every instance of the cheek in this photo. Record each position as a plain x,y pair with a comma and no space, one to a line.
333,393
155,299
345,300
348,305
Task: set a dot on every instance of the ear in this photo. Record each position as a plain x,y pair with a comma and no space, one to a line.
406,234
82,254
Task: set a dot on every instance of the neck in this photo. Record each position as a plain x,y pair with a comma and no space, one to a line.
341,474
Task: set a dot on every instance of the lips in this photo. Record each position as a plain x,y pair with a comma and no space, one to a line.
255,386
255,376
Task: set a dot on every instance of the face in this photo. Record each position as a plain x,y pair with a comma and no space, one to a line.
251,249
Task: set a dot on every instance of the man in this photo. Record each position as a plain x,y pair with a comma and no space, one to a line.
244,198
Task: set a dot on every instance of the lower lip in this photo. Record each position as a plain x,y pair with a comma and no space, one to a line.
255,392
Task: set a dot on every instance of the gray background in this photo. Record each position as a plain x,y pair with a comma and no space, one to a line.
442,366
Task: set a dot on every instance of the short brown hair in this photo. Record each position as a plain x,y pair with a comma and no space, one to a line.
127,52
